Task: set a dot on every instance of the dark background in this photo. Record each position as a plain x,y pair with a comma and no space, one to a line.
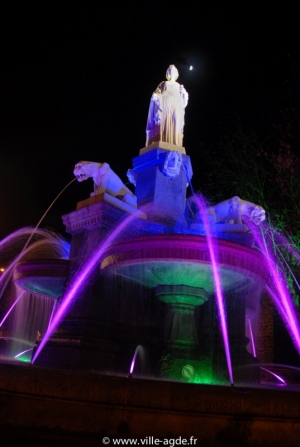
75,84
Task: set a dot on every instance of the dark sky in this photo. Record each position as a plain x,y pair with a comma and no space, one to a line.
75,83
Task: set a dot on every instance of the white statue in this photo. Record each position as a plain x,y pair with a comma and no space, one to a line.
105,180
233,210
166,111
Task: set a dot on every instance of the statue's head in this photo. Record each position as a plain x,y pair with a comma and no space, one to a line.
172,73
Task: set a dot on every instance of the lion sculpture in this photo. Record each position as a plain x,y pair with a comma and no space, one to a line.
232,211
105,180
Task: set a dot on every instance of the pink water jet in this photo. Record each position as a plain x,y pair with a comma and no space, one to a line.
11,308
280,295
132,365
213,252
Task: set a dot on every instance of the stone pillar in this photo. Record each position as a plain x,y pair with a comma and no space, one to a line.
163,192
180,358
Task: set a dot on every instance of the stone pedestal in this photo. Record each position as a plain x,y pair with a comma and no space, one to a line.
180,358
162,145
179,327
161,195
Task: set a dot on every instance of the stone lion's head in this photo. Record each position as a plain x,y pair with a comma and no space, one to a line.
85,169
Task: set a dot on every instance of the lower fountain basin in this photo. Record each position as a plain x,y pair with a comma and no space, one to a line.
45,277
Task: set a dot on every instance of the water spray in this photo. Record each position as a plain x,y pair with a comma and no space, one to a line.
137,349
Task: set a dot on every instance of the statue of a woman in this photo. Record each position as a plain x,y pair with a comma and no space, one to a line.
166,111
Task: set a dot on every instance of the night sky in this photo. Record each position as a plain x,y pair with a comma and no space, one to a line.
76,83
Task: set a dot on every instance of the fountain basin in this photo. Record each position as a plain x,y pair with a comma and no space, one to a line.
174,259
45,277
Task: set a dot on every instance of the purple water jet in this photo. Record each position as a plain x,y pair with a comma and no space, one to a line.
284,302
274,375
132,365
251,338
11,308
23,352
213,252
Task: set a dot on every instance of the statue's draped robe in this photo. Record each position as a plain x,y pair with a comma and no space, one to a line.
166,114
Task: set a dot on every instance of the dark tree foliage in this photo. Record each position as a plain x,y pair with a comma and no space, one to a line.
260,162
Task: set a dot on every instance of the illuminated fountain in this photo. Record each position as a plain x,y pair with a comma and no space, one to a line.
157,270
155,286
